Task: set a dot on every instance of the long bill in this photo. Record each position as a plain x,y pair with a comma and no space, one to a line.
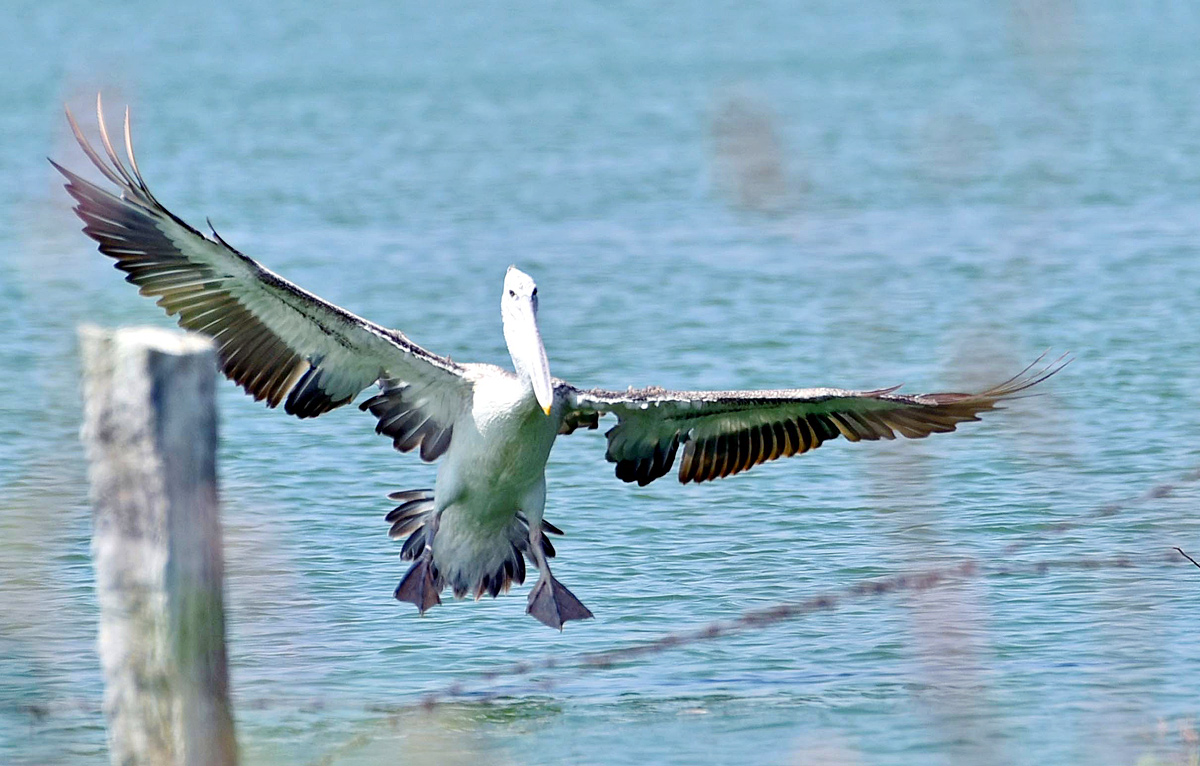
529,356
539,374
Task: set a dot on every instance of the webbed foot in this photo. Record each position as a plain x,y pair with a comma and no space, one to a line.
419,586
552,604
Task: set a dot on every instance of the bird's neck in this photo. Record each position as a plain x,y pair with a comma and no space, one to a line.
523,368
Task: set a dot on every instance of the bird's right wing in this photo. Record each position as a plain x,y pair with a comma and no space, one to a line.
725,432
274,339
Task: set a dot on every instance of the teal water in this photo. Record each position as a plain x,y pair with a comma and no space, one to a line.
733,195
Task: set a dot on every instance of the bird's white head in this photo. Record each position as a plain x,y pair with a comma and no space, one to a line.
518,307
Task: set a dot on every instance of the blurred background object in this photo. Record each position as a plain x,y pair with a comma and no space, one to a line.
748,158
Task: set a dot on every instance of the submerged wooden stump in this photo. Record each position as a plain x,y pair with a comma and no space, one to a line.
150,429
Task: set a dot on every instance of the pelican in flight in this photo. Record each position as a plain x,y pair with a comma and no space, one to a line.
492,428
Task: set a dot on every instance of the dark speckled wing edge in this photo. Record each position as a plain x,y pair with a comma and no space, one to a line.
275,340
721,433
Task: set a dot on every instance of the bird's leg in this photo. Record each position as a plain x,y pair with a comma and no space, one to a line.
550,601
420,586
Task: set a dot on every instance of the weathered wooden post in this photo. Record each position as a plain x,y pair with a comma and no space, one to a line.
150,429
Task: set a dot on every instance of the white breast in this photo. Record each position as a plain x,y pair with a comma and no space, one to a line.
499,450
495,464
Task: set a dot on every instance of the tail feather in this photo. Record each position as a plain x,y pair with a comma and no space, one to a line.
414,517
413,545
411,508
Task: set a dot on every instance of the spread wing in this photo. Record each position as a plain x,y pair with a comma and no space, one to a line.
722,433
278,342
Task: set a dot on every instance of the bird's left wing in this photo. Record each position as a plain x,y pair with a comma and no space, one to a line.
725,432
278,342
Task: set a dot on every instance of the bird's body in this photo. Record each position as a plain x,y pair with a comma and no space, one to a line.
492,428
495,467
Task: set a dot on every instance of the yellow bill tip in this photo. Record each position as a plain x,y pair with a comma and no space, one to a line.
546,409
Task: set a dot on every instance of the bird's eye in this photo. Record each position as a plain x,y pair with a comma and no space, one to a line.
512,294
534,293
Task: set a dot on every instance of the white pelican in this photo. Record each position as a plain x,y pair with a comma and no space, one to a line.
492,427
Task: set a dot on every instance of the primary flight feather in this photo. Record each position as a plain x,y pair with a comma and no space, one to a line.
492,428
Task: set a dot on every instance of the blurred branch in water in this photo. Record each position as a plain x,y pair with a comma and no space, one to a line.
1156,492
754,619
913,582
1189,558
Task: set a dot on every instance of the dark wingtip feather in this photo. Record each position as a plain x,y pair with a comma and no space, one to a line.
129,229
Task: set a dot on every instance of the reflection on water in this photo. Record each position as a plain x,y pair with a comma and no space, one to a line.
734,197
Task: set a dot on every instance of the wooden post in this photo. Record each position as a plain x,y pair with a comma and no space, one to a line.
150,429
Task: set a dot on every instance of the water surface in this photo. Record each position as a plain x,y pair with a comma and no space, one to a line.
740,196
